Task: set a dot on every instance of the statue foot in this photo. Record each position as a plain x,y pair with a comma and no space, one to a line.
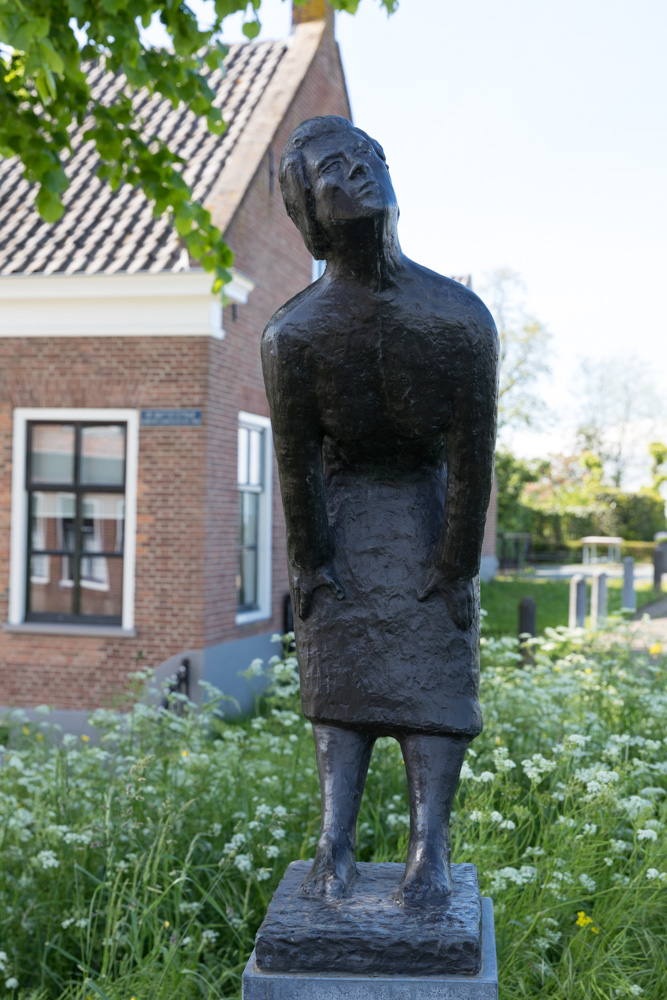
333,872
425,881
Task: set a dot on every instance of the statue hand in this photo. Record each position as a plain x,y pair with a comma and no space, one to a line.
307,581
459,594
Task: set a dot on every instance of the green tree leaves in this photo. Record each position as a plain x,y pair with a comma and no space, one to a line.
44,46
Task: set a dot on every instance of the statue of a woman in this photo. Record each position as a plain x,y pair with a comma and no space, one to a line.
382,382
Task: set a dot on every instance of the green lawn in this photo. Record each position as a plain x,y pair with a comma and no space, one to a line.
500,600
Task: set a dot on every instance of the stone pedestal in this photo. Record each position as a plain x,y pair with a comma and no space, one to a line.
483,985
317,949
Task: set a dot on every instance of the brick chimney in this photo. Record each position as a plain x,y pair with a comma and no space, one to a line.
312,10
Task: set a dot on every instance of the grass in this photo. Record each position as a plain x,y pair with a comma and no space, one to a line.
501,597
140,865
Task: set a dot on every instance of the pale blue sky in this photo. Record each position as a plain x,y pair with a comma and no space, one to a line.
528,135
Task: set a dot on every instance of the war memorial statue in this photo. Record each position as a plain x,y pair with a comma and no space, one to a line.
382,383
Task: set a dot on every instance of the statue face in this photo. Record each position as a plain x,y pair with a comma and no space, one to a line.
348,179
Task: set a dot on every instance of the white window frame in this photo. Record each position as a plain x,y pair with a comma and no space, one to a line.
264,525
19,519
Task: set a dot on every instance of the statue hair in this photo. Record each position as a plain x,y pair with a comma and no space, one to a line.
294,182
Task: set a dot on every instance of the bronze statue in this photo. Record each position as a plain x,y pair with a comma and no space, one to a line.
382,382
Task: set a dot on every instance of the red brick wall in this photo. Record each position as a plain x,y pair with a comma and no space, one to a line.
130,372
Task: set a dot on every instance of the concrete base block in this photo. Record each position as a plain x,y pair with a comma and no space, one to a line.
260,985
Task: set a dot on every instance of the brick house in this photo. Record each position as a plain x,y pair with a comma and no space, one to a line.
140,515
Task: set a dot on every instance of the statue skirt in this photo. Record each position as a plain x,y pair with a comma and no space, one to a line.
380,660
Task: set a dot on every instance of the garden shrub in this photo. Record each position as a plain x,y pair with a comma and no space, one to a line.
139,863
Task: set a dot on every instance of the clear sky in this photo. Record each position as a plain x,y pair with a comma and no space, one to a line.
532,136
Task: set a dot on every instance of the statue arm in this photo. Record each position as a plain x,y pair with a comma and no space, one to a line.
470,441
297,437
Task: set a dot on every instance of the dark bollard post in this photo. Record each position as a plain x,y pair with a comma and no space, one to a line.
658,567
527,628
629,599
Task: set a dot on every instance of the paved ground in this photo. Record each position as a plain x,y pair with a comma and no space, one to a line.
647,633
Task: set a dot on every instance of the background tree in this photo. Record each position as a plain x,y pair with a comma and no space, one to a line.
620,409
44,90
658,453
524,351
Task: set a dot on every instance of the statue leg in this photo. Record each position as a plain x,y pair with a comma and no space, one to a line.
343,756
433,765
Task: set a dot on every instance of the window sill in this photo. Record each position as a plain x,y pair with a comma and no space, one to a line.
248,617
54,628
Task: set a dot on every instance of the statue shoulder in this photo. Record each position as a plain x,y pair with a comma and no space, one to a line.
287,330
458,306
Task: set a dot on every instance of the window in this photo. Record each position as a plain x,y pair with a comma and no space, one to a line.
73,517
254,477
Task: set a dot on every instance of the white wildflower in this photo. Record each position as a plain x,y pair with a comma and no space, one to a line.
652,873
243,862
496,817
590,829
272,850
47,859
209,936
588,883
508,824
647,835
486,776
11,983
263,874
537,766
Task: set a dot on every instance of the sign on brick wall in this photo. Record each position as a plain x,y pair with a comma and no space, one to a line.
171,418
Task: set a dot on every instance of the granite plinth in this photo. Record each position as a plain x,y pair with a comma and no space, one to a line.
368,931
261,985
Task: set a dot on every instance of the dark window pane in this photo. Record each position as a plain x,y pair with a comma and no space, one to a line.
103,455
51,589
102,516
101,586
52,453
52,521
248,511
247,578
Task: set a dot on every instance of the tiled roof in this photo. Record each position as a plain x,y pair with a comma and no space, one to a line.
104,231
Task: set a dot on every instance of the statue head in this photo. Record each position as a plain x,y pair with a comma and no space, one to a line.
332,173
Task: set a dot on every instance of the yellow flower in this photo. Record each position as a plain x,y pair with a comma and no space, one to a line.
167,924
184,753
588,670
39,737
86,739
25,731
655,649
583,920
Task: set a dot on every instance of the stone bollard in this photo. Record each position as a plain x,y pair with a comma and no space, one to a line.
527,627
599,601
577,616
657,570
629,597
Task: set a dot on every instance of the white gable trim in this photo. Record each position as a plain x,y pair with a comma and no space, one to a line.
116,305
